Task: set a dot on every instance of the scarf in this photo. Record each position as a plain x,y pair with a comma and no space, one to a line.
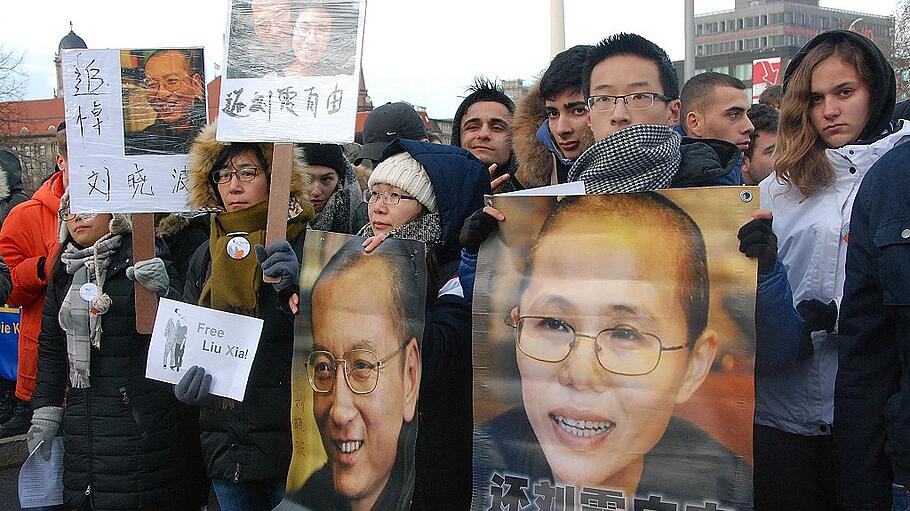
425,228
338,213
639,158
233,285
80,318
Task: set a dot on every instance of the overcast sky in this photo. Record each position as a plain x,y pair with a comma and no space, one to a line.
422,51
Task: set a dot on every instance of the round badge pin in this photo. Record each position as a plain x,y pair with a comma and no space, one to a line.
238,247
88,291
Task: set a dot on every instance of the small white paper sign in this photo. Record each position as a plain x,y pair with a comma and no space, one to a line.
222,343
40,480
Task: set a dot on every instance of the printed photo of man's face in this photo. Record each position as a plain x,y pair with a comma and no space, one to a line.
605,343
365,373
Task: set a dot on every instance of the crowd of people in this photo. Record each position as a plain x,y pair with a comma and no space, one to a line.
832,409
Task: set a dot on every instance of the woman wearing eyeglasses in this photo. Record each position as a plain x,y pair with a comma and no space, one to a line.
121,430
246,445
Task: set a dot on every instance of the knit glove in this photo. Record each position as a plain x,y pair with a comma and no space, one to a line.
758,241
45,423
476,229
818,317
152,274
193,388
279,260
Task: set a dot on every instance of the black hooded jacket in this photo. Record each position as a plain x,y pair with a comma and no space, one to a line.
11,193
882,84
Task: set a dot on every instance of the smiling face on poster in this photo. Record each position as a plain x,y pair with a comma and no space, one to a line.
292,71
612,361
357,374
131,117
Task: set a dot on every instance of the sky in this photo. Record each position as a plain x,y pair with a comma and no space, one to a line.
421,51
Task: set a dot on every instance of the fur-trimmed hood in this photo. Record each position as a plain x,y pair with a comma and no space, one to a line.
205,152
536,160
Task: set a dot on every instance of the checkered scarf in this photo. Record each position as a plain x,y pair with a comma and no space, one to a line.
639,158
425,228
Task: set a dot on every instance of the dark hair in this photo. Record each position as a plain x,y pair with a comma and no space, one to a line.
483,89
190,56
771,95
60,137
564,73
643,209
764,118
228,154
327,155
699,90
408,281
636,45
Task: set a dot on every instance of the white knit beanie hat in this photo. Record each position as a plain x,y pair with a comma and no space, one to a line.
405,172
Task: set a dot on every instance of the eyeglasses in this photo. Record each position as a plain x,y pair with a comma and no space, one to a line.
361,369
390,199
245,174
171,83
66,216
621,350
633,101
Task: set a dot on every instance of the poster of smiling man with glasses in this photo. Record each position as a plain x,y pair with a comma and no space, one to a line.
613,353
356,375
163,100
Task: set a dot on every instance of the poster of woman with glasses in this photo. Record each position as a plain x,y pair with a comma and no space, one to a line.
613,353
164,103
356,374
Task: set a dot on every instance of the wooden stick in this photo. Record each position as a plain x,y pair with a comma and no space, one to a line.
144,248
279,194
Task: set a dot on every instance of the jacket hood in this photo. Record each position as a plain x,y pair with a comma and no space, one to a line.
10,173
205,152
174,223
706,162
50,192
459,180
532,143
883,88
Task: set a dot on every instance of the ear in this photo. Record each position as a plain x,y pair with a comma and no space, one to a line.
412,370
198,86
673,117
693,125
588,117
746,163
513,315
700,361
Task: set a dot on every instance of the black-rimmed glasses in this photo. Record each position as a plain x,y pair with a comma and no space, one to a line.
245,174
633,101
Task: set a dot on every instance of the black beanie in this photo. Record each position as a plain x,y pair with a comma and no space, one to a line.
327,155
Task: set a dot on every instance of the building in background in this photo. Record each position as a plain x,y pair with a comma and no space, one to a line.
751,37
514,88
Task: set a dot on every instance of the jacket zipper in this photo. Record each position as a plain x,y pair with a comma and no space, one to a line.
91,456
133,411
236,473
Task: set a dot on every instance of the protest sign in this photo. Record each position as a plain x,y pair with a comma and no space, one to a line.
188,335
292,71
360,314
614,353
131,116
9,341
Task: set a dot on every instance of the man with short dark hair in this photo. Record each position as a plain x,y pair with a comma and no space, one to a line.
758,159
714,105
483,126
772,96
175,91
550,129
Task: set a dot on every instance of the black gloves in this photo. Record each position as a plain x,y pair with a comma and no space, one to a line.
818,317
193,388
476,229
757,240
279,260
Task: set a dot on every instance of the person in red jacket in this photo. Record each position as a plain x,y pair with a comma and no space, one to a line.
27,239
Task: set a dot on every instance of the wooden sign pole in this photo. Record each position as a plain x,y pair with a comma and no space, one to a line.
279,194
144,248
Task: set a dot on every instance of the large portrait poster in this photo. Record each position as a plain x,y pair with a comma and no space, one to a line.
356,374
292,71
614,353
131,116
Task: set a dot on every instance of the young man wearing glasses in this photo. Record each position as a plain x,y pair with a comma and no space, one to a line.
366,315
175,91
607,343
633,101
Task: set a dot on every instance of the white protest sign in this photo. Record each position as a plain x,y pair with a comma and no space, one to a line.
292,71
222,343
571,188
131,116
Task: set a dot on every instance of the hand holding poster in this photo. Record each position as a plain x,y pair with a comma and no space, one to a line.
292,71
187,335
131,117
613,353
356,374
